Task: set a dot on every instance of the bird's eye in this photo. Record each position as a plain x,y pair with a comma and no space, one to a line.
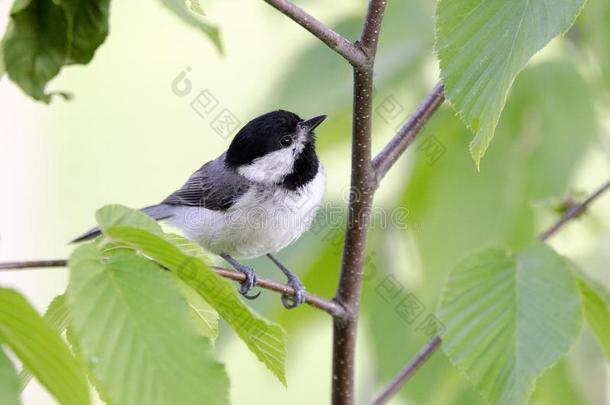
286,141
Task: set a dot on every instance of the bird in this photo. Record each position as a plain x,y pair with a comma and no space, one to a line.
256,198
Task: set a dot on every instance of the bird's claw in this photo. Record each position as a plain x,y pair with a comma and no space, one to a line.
250,297
248,284
294,300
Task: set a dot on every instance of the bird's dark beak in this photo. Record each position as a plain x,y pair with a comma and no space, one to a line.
313,123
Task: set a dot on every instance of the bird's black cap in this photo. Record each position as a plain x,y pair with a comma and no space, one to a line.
260,136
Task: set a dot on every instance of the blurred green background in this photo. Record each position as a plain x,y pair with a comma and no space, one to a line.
128,138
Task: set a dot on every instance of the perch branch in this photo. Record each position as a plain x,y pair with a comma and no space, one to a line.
315,301
334,41
573,212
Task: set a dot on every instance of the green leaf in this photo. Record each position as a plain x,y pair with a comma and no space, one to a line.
112,215
509,318
41,349
45,35
9,382
593,33
19,5
57,317
203,315
35,45
180,9
558,387
87,28
2,67
73,342
133,330
596,307
523,165
265,339
188,246
483,45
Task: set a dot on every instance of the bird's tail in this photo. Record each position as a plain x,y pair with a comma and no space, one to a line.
157,212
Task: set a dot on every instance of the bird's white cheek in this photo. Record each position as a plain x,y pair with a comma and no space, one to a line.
270,168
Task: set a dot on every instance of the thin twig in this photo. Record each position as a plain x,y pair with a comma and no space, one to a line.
334,41
315,301
405,136
408,371
35,264
574,211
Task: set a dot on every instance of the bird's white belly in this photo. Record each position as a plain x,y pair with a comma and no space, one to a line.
262,221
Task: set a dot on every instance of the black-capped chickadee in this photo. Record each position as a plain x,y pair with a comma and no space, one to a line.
253,200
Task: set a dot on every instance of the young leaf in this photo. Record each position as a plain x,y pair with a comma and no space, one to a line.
265,339
179,8
596,307
133,330
509,318
56,316
483,45
9,382
41,349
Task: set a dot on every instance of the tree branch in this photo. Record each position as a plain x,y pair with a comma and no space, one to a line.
361,199
408,371
334,41
35,264
372,27
315,301
573,212
405,136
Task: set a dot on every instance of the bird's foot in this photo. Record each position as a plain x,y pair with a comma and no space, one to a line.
296,299
249,282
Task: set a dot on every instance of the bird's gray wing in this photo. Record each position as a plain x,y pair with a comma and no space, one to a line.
213,186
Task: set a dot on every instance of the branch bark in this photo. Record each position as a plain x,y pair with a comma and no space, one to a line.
334,41
361,200
573,212
406,135
408,371
315,301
